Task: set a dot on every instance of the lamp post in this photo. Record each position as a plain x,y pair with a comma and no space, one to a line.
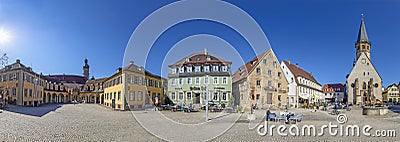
208,81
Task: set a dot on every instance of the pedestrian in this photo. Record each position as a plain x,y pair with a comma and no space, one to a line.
268,115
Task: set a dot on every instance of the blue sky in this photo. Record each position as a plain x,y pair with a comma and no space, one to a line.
54,36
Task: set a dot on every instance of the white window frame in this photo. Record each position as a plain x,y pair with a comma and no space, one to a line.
215,80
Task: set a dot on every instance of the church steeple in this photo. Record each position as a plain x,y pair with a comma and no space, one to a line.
362,45
85,69
362,33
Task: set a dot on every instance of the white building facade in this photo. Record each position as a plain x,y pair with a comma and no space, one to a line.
303,87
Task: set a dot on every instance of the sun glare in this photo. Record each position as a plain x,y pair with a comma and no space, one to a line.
4,36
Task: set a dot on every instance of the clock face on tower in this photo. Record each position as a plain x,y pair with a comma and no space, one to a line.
363,60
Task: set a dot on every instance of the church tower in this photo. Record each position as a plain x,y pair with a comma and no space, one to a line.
362,45
85,69
364,84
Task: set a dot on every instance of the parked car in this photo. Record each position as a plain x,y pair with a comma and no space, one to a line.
296,118
275,117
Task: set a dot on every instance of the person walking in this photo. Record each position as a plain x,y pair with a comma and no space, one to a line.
268,113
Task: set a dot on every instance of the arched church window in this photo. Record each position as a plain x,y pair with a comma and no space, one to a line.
363,47
364,85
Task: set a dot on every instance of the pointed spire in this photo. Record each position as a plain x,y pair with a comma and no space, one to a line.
362,33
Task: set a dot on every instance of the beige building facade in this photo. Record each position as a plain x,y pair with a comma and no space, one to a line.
260,82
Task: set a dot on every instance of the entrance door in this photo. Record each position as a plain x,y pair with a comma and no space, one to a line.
269,98
113,103
197,98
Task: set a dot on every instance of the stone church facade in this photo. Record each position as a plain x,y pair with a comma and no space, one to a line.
364,84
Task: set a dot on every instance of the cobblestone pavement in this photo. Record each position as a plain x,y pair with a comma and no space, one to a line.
89,122
81,122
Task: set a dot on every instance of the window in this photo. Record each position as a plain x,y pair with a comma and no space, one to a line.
258,82
364,86
129,78
173,97
258,96
208,58
224,80
269,72
119,95
115,93
215,97
132,95
206,68
180,96
180,81
258,70
173,81
215,68
274,64
224,68
189,80
279,85
14,91
30,92
206,80
279,74
224,96
140,80
215,80
197,80
25,92
188,95
197,69
140,95
265,61
189,69
269,83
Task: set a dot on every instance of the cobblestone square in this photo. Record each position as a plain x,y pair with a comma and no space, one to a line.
91,122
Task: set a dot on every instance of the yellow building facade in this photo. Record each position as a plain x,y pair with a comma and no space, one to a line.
20,85
92,91
132,88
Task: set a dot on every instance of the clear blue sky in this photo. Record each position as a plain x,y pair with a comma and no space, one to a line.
54,36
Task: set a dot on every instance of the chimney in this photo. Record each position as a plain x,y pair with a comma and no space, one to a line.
288,62
205,51
297,65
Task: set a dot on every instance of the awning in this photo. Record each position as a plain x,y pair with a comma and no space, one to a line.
304,96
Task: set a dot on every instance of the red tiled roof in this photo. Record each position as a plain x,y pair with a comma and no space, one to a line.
297,71
66,78
336,85
244,70
200,58
95,81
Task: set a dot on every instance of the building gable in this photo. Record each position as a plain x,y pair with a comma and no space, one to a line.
363,67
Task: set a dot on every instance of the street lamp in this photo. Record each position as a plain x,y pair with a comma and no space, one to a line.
208,81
